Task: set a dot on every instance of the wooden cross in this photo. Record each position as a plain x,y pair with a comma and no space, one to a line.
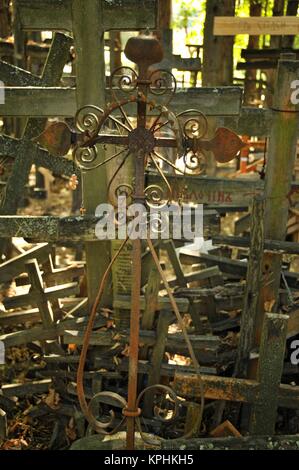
174,61
275,26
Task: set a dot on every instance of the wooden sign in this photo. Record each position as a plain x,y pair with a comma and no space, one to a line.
276,26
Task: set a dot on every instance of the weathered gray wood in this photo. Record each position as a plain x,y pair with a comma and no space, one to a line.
270,367
17,180
175,342
163,303
207,190
72,228
26,389
282,150
15,266
175,262
154,376
17,318
234,443
253,282
231,389
37,288
51,293
281,158
41,102
40,15
42,158
88,29
207,273
40,333
3,425
244,242
15,76
173,61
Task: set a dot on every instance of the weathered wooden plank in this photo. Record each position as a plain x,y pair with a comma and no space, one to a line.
233,443
175,342
231,389
270,367
26,389
17,318
24,159
275,26
90,62
40,333
226,265
53,228
154,376
252,121
3,425
16,266
38,101
50,15
253,281
163,303
60,166
16,76
207,190
244,242
33,297
208,273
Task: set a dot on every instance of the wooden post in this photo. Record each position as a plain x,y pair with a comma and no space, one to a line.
281,158
3,425
217,51
90,71
282,150
253,43
5,19
157,358
253,281
270,368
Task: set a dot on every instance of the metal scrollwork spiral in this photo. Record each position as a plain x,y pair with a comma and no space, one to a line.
88,120
195,162
167,413
195,126
86,157
162,82
102,423
124,79
155,196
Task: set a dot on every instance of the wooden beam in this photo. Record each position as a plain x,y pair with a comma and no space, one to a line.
216,191
88,29
275,26
51,15
231,389
38,101
233,443
244,242
253,281
10,147
270,367
16,265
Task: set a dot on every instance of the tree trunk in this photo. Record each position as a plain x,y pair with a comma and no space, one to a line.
253,43
292,8
165,11
217,50
275,43
5,19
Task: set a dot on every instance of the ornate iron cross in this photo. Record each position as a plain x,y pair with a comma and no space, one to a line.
141,139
